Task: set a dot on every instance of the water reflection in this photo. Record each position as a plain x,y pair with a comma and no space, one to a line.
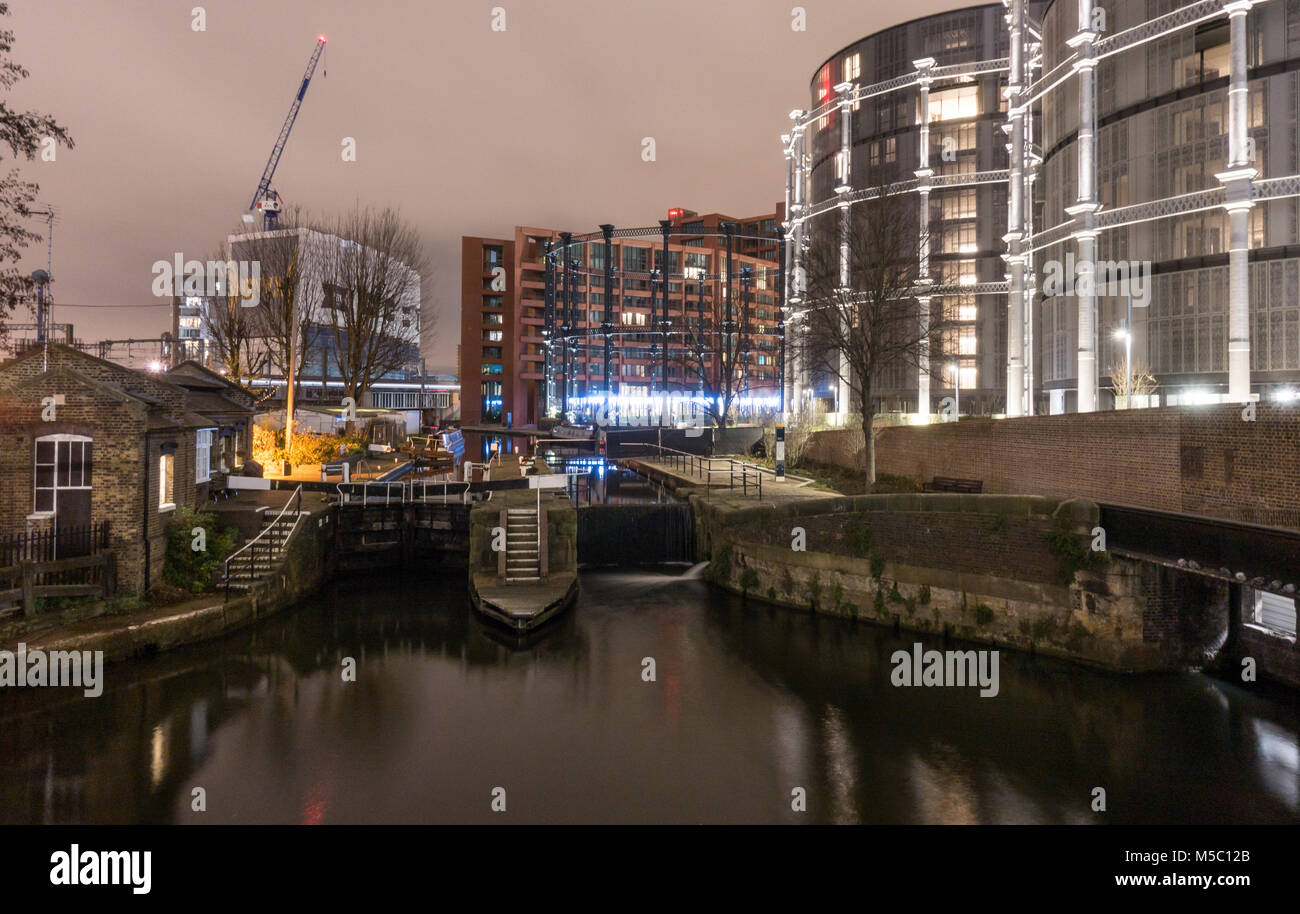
748,704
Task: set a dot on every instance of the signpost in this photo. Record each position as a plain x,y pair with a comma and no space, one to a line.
780,451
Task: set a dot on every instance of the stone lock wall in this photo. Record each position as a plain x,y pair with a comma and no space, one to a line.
984,568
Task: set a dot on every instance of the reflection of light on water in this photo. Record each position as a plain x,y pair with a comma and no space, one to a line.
791,742
841,768
158,754
943,796
1279,761
1009,805
198,728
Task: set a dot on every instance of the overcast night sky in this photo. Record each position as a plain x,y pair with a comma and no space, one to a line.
466,131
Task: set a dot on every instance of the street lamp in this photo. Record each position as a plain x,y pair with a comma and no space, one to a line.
955,368
1123,333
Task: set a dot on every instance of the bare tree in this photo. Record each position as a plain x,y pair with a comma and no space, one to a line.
854,332
717,344
236,332
1128,385
291,295
372,277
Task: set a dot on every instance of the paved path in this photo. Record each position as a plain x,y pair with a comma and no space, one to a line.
682,477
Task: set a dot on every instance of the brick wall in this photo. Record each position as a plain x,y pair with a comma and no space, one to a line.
117,427
1199,460
124,483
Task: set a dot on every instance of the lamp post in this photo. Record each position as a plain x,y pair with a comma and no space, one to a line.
1126,334
955,368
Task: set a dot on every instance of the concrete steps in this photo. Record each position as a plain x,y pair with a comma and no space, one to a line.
523,558
259,562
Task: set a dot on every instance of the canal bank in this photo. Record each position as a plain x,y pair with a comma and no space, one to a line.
308,562
1018,572
1011,571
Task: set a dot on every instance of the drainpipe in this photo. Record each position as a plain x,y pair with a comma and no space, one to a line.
144,512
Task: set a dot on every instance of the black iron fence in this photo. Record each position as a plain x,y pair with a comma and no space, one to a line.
55,543
51,564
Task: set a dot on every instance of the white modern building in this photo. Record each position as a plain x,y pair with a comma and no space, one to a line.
1058,145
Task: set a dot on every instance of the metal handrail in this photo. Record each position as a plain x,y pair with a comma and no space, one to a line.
751,475
270,546
406,490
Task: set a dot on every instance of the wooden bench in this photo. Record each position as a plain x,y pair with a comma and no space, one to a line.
953,484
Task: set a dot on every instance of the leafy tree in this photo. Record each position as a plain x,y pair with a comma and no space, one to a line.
24,133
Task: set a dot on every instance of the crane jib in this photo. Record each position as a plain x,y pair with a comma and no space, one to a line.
264,186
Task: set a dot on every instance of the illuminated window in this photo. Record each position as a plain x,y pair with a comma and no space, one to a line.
966,341
966,310
166,482
954,104
958,239
852,67
958,205
967,373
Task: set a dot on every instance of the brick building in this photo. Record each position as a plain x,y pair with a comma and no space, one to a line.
87,441
503,307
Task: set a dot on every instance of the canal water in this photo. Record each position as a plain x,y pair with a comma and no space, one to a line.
749,704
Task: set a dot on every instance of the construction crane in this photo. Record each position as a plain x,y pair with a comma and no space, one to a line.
264,198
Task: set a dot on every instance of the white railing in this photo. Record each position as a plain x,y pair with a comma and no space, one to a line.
271,550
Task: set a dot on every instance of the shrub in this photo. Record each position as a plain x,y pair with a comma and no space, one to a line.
983,614
188,568
877,567
748,580
308,447
721,565
1073,554
857,532
890,482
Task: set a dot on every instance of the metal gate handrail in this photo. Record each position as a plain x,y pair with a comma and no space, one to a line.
294,500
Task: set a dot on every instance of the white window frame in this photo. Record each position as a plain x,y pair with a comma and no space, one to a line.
203,454
55,440
163,475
